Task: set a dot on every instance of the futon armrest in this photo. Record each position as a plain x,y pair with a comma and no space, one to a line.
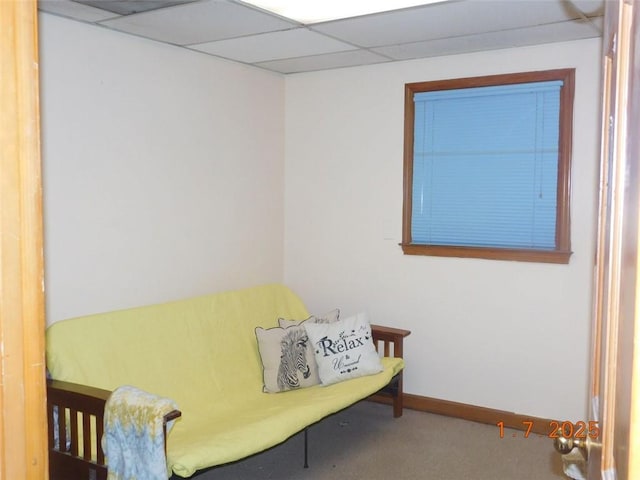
389,341
389,336
76,396
75,415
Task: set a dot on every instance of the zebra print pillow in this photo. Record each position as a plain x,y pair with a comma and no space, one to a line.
288,362
328,317
344,349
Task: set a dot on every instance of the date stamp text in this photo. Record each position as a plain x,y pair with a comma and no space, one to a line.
556,429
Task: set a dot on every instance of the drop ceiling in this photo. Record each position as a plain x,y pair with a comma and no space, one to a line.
235,31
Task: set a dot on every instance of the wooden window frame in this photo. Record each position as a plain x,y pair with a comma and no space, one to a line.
562,251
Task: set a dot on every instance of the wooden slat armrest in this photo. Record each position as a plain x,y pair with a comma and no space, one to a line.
79,397
384,338
78,388
70,409
390,332
85,398
65,460
390,335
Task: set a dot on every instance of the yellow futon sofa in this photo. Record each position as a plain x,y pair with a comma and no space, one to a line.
202,353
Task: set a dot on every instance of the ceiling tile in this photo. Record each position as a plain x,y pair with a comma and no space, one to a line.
299,42
323,62
449,19
555,32
128,7
74,10
199,22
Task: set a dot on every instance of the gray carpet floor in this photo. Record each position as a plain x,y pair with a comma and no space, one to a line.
366,442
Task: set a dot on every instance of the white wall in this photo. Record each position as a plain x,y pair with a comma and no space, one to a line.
506,335
163,171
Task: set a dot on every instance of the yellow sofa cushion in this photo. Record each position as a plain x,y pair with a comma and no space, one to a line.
231,431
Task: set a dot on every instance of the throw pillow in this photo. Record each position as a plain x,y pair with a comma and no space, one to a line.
328,317
287,361
344,349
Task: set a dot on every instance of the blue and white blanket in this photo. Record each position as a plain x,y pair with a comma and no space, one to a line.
133,440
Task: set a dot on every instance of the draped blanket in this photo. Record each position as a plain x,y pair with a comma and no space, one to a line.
133,440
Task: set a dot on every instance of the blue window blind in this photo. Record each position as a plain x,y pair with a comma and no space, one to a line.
485,166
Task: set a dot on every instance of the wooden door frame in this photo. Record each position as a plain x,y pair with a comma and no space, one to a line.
615,389
633,150
23,428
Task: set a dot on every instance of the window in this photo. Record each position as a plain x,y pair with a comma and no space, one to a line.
487,167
